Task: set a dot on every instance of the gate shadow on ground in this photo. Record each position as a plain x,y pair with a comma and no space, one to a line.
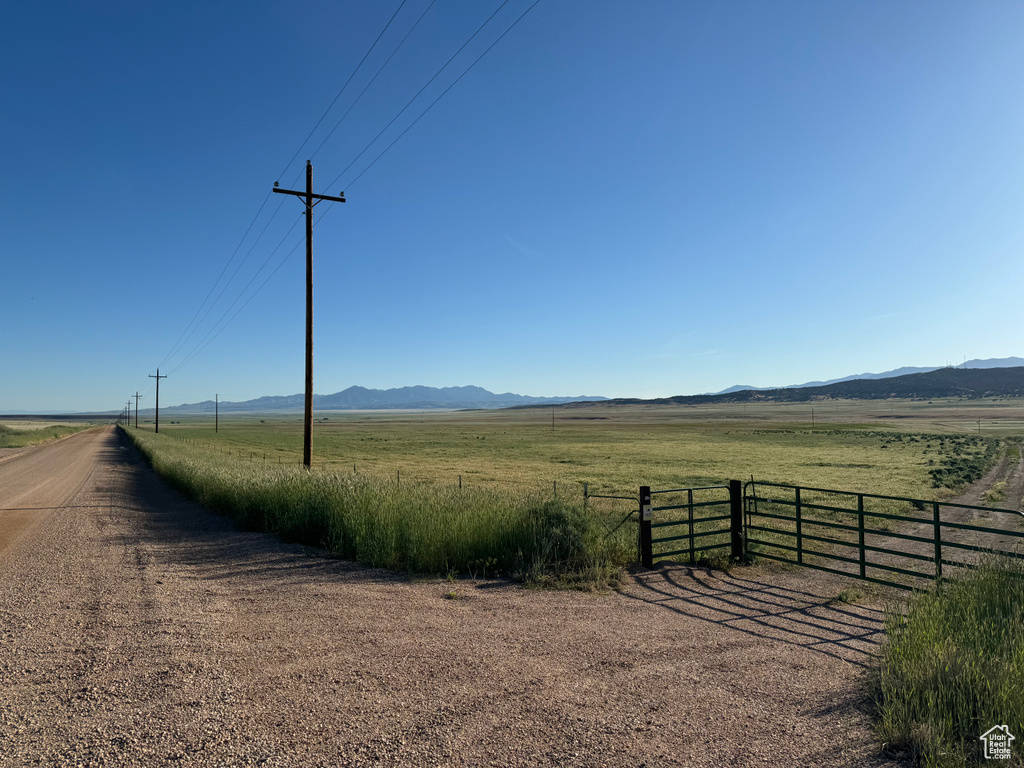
764,606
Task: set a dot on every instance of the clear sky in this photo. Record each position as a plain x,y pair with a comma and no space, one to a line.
622,198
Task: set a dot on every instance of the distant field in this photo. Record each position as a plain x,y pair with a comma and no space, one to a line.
887,447
19,433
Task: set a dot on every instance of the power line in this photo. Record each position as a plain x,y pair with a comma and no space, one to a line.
231,279
252,279
372,79
464,73
425,86
238,311
365,55
189,329
225,269
221,323
157,377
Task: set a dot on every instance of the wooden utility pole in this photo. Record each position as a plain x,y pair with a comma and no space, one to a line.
157,377
216,413
137,396
307,429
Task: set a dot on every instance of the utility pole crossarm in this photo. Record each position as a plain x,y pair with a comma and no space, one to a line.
303,194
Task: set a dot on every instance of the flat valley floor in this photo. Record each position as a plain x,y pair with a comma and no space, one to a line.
137,629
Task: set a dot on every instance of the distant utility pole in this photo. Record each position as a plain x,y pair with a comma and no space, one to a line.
307,429
137,396
157,377
216,413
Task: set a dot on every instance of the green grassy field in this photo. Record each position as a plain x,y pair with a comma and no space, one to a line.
885,448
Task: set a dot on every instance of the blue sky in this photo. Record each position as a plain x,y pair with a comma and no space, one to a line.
621,198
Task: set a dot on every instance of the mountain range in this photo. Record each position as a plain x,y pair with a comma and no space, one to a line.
1000,362
967,383
361,398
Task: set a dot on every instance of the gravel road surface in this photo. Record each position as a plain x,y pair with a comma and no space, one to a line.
136,629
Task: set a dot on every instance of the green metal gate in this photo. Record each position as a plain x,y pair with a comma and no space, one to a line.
690,521
892,540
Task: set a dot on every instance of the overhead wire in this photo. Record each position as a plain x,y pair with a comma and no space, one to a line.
242,293
189,329
338,96
217,328
464,73
234,253
417,95
372,79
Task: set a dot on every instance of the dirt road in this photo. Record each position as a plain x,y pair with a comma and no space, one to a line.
137,629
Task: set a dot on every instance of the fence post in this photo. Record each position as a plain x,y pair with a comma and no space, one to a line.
584,496
736,508
799,531
689,519
646,544
860,534
937,522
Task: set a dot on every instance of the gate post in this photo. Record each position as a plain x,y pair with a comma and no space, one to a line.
736,509
646,544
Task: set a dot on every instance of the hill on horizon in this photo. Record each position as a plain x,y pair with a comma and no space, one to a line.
968,383
993,362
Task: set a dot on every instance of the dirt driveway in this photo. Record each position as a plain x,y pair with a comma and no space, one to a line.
138,629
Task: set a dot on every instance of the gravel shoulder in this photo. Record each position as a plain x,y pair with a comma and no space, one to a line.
138,629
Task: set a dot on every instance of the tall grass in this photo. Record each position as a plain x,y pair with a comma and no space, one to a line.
953,667
414,527
18,438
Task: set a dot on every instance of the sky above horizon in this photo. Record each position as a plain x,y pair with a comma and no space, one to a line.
638,199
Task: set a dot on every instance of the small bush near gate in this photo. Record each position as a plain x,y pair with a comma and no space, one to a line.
414,527
953,667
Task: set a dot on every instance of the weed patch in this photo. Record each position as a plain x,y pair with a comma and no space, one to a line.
953,666
408,526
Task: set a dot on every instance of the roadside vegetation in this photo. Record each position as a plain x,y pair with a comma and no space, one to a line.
19,438
396,523
953,667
